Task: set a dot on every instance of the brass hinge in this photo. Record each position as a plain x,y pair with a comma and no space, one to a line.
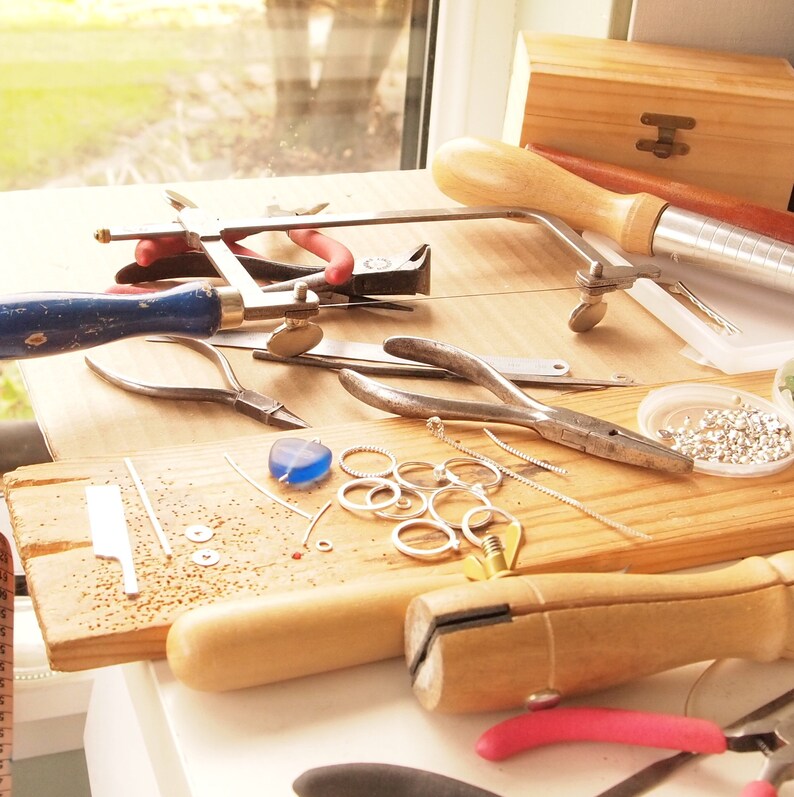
664,146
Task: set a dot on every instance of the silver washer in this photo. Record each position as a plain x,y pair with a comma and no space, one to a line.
199,533
206,557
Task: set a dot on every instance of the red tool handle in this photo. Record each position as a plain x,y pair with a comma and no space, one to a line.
639,728
759,788
339,258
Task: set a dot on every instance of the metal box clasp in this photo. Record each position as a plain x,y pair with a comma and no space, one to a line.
664,146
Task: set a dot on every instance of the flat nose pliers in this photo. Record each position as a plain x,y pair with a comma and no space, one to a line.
243,400
567,427
534,729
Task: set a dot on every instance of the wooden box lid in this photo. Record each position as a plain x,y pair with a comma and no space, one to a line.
590,97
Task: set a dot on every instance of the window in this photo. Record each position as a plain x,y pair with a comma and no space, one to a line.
99,92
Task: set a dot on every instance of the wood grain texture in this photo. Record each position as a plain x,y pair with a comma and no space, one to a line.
87,621
479,171
778,224
595,631
498,287
586,96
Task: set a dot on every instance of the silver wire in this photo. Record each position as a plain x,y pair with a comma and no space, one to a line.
436,428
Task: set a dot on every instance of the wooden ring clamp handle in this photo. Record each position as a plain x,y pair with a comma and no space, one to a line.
573,632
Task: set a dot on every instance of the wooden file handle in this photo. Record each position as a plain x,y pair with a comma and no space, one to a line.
777,224
260,640
579,633
479,171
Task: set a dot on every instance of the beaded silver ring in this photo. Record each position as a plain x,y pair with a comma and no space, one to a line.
367,449
452,543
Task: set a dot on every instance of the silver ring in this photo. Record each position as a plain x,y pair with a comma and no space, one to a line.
375,481
438,475
398,504
480,496
324,545
367,449
467,528
452,543
455,479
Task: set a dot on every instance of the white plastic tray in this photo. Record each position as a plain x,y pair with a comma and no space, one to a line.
765,317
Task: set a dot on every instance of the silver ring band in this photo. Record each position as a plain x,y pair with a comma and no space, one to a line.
348,452
453,543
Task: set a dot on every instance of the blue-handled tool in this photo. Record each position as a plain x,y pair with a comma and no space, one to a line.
38,324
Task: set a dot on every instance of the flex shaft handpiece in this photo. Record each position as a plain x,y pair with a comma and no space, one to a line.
478,171
493,644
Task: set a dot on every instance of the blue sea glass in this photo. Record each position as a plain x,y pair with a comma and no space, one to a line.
297,461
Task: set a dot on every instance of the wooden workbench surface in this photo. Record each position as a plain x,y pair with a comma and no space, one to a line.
498,287
88,621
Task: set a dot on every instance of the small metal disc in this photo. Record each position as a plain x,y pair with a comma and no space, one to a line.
290,341
206,557
585,316
199,533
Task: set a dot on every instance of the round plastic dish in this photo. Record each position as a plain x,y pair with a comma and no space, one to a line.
668,406
783,390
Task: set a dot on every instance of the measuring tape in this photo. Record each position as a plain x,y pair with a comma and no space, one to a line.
6,664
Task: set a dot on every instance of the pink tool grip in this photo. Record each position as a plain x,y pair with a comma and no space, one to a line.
339,258
759,788
599,725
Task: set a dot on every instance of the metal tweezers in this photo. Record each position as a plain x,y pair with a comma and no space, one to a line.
567,427
247,402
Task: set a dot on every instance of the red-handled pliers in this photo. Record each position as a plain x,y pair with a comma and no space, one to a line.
534,729
339,258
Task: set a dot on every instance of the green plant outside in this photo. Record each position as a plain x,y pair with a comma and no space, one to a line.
68,90
14,403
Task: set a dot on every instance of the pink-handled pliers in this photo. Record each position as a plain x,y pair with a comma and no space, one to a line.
534,729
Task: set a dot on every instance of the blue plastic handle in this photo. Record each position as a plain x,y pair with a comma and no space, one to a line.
40,324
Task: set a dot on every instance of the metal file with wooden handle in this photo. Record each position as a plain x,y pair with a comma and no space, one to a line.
483,645
731,209
477,171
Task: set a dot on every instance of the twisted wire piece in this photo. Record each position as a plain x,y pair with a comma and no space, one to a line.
541,463
436,428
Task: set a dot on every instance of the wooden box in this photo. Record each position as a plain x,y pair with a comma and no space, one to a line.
602,99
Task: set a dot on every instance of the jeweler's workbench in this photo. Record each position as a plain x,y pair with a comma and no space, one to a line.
498,287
